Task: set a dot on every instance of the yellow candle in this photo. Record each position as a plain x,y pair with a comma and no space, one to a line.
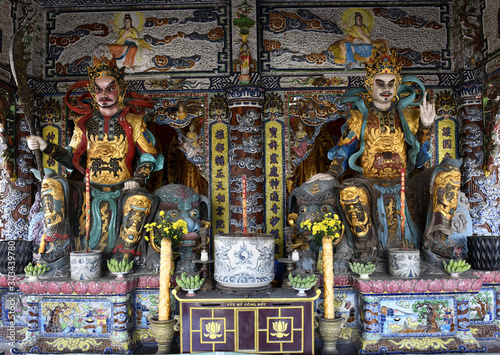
165,266
328,278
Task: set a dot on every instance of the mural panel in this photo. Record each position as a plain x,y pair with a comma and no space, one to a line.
328,37
176,40
434,316
75,317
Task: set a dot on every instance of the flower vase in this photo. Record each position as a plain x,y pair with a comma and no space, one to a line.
330,330
163,332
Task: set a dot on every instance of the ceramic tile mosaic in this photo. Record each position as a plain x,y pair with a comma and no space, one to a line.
183,39
295,38
75,317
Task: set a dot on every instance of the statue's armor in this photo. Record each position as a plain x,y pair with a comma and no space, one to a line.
107,150
385,148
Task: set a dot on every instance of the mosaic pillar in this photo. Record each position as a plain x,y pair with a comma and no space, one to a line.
471,148
497,306
33,332
245,156
120,334
463,321
371,324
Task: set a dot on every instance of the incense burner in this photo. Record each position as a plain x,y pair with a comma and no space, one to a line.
244,261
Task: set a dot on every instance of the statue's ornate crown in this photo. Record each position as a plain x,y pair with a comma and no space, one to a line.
386,64
106,67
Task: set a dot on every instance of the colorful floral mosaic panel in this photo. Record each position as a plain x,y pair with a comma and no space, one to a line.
482,306
432,316
146,303
75,317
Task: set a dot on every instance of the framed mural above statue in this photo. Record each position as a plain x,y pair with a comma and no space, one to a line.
296,38
181,40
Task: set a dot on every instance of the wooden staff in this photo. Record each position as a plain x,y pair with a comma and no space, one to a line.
18,65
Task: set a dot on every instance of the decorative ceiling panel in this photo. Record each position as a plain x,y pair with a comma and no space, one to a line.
114,3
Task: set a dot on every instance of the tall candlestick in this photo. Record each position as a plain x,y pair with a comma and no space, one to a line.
244,203
165,268
328,278
87,208
403,208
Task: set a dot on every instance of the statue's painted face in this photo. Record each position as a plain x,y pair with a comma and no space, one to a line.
106,92
383,88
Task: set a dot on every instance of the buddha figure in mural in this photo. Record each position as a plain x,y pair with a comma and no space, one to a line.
383,138
357,46
113,149
130,50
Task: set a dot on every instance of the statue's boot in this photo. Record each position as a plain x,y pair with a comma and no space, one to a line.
57,258
440,246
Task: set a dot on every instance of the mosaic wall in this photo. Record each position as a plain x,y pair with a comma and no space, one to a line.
295,37
5,36
491,17
178,40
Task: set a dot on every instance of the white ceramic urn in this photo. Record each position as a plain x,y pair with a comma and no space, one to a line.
244,261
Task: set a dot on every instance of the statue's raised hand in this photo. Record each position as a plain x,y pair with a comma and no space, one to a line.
427,112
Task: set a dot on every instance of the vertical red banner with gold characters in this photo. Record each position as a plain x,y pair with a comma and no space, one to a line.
220,175
274,189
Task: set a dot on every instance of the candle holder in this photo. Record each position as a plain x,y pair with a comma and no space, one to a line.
330,330
290,266
205,263
208,284
163,332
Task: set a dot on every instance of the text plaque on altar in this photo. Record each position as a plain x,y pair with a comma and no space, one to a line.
280,322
